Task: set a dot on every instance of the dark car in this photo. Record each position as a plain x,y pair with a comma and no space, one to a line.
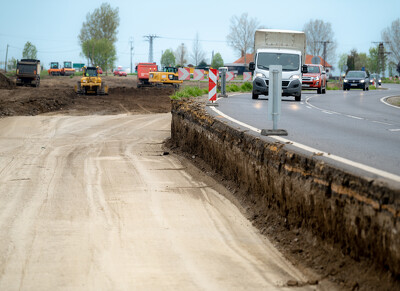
375,79
356,79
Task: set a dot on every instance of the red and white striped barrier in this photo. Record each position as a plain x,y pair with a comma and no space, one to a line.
198,75
184,74
229,76
212,85
246,76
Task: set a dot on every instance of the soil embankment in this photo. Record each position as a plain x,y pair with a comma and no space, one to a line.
344,226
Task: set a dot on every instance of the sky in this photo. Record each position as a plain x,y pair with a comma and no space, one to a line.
53,26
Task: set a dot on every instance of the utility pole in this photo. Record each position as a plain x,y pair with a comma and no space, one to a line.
131,41
5,64
381,57
150,39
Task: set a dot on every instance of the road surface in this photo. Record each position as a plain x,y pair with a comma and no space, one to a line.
352,125
92,203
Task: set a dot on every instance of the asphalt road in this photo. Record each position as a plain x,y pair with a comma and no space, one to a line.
353,129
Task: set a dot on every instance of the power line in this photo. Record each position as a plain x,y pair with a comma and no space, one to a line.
150,39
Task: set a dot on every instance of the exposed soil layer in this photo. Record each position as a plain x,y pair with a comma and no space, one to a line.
6,83
56,95
339,225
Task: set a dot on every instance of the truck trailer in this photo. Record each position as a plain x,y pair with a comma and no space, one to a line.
278,47
28,72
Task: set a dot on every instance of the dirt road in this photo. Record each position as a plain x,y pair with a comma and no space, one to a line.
93,203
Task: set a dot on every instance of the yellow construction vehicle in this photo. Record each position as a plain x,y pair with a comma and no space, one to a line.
91,83
168,76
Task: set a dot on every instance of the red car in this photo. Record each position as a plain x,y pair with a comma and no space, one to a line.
315,78
120,73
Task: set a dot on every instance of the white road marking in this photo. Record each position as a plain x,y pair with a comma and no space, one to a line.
345,161
384,123
383,100
355,117
394,129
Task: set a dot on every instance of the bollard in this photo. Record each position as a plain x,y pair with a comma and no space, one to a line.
223,71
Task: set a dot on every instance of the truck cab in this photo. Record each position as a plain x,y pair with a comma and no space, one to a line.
278,47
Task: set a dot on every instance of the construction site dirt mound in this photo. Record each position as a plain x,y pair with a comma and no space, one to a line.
56,95
6,83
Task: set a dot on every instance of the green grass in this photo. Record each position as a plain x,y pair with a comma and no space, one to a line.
333,88
188,92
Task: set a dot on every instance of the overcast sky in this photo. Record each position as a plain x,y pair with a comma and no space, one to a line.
53,26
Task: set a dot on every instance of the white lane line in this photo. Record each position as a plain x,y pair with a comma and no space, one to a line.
384,123
313,150
383,100
309,107
355,117
394,129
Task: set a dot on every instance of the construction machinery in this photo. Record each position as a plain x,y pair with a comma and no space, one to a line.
28,72
54,69
143,71
168,76
67,70
91,83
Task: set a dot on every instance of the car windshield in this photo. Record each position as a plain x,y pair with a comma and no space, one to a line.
289,62
313,69
354,74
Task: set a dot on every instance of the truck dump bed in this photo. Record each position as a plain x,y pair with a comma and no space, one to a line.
282,39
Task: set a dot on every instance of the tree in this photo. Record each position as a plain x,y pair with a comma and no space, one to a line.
217,61
398,68
241,34
391,37
181,55
101,52
30,51
197,53
342,62
99,34
374,63
320,34
168,59
12,64
351,60
202,64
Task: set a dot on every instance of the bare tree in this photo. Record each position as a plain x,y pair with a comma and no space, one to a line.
320,39
241,34
198,54
181,54
391,38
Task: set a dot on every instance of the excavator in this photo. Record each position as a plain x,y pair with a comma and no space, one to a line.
91,83
168,76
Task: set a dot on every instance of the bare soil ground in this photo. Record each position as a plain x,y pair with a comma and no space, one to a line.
56,95
394,101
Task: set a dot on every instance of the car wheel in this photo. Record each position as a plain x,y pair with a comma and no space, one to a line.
297,98
368,88
319,90
254,96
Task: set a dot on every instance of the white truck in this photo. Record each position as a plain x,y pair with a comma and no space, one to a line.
278,47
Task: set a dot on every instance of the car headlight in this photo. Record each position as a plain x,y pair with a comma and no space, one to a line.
362,81
345,80
294,77
316,78
261,75
379,80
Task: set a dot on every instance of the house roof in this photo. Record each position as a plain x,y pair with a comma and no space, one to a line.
309,58
250,58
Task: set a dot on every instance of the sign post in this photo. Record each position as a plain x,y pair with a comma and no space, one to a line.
274,100
212,87
223,71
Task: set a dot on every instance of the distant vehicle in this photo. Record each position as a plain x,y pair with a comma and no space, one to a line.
67,70
375,79
356,79
168,76
120,73
315,78
91,83
278,47
28,72
54,69
143,73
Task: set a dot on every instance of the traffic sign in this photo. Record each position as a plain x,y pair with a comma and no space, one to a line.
198,75
316,60
246,76
212,85
184,74
230,76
